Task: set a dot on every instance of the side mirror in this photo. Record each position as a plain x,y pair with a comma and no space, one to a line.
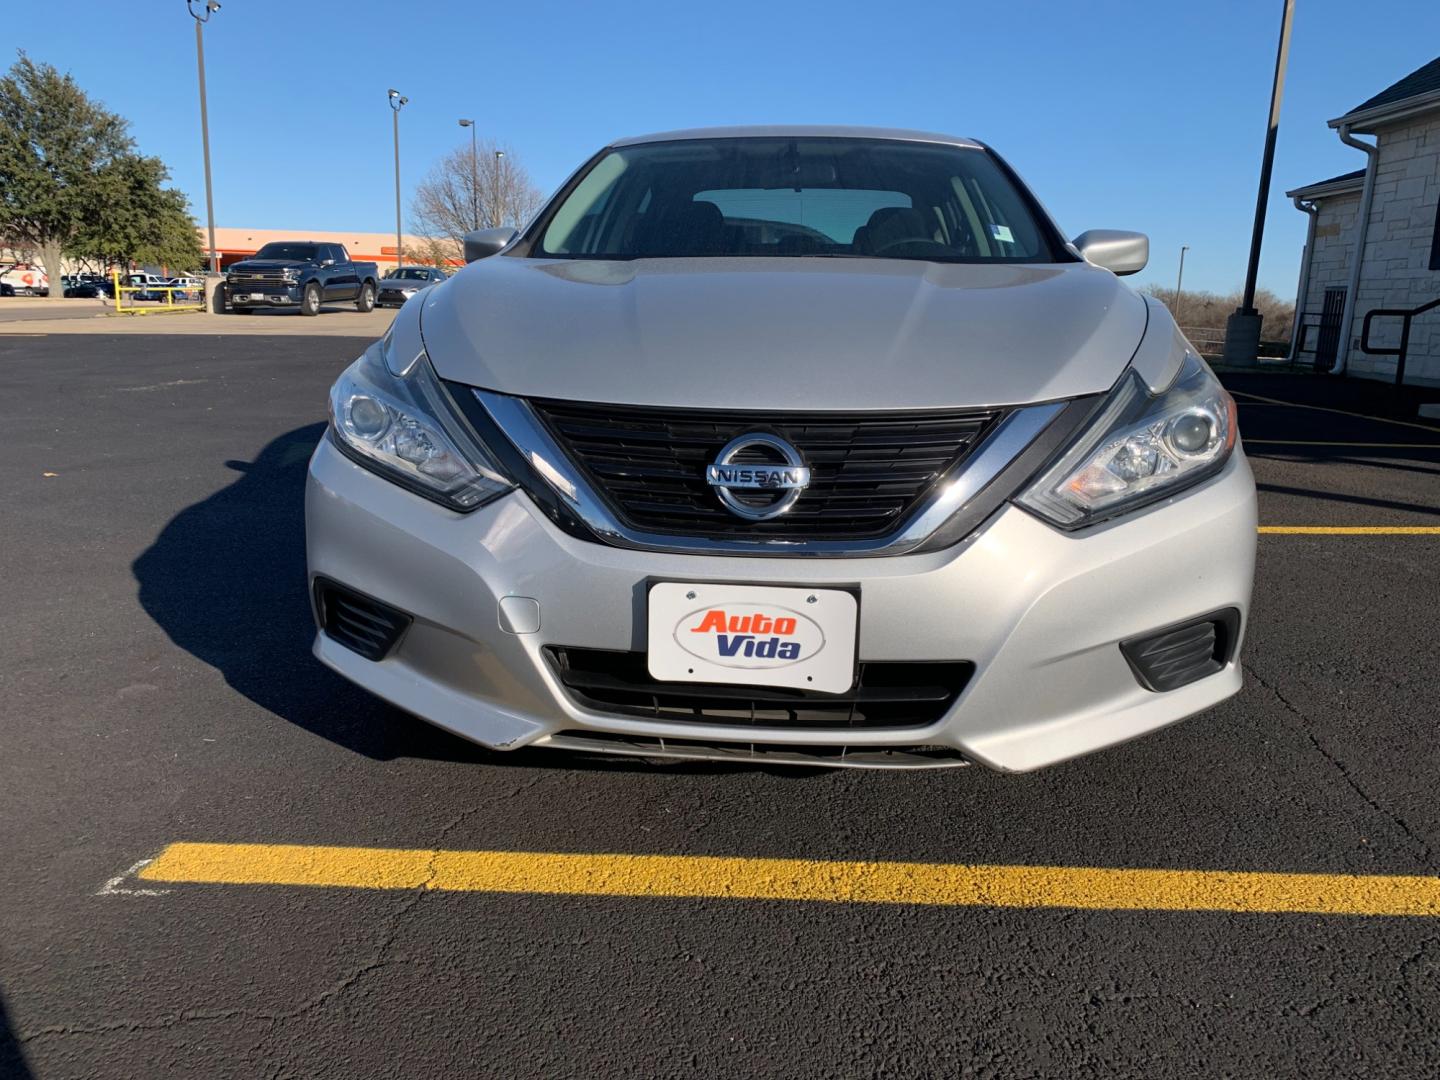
1116,250
482,243
327,262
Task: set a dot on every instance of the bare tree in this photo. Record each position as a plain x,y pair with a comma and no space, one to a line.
461,193
431,251
1202,310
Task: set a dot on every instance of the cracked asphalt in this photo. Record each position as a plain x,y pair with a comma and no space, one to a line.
158,687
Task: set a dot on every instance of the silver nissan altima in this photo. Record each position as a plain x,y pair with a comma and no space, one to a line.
787,444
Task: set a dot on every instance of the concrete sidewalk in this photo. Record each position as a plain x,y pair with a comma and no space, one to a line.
36,316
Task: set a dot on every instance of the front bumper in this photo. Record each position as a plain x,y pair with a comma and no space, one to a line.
1041,613
391,298
270,295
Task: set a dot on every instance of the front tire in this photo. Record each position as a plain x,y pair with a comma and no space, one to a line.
310,304
365,302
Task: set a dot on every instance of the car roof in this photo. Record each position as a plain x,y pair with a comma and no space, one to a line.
797,131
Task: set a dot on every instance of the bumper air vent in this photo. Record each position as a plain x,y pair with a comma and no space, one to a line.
363,625
886,695
1182,654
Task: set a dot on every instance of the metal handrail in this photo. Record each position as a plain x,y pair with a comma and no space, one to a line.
168,290
1407,316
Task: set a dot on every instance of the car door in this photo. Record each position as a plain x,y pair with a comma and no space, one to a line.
345,281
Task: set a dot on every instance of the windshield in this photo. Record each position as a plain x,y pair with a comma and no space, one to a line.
298,252
411,273
777,196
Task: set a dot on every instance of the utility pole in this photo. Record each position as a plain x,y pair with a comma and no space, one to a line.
201,18
474,175
396,104
1242,329
1179,283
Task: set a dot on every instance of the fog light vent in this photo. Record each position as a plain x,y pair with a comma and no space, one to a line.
1179,655
360,623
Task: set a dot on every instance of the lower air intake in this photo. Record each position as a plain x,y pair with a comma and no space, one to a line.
360,623
1179,655
895,695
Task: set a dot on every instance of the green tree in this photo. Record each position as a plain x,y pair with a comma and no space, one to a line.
72,183
138,218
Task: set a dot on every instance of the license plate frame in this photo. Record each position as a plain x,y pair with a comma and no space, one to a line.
824,632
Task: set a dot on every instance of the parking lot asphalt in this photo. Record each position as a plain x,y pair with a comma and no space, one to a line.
160,692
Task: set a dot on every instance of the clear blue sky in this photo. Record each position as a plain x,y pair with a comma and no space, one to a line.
1138,115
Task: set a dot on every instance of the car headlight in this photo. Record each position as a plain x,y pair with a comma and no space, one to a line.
290,275
392,417
1139,448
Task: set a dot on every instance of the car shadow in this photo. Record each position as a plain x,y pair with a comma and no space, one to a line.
12,1060
225,579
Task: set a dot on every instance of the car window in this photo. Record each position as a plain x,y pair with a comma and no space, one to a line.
816,196
298,252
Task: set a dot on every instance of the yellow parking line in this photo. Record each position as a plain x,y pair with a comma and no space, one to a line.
724,878
1326,408
1350,530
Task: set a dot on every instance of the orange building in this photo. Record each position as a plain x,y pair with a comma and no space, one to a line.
237,244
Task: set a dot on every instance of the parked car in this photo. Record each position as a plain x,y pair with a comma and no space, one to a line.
6,289
302,274
920,484
144,286
403,282
187,288
75,288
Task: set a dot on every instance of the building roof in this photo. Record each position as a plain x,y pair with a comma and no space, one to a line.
1420,86
1420,81
1333,185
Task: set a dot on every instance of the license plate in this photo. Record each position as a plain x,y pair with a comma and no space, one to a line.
753,635
257,296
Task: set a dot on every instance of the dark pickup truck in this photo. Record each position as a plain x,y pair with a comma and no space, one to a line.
299,273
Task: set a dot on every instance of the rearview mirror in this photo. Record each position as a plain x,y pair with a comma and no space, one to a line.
483,243
1115,250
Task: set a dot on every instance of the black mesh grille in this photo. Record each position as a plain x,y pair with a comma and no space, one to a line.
358,622
1179,655
868,472
885,694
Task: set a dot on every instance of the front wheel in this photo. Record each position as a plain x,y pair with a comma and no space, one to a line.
366,300
310,304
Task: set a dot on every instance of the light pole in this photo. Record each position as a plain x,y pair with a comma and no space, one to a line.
201,18
1179,282
396,104
474,175
1242,329
495,202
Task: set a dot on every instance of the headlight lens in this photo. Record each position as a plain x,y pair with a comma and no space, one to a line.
290,275
392,417
1139,448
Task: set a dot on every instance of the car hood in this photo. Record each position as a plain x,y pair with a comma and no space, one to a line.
790,333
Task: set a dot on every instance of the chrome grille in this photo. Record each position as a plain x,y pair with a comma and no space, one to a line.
868,471
261,279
